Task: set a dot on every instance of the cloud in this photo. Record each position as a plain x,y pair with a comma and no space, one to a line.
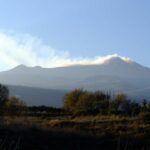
31,51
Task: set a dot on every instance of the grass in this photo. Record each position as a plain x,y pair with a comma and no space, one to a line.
93,125
70,132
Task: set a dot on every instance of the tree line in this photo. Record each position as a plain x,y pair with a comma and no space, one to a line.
11,105
81,101
78,102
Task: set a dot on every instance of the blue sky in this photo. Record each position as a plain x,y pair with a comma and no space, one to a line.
74,30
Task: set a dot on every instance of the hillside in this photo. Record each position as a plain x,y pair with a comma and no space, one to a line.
114,74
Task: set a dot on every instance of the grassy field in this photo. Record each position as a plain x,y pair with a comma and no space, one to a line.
74,133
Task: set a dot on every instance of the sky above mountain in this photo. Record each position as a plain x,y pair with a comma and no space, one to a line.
52,33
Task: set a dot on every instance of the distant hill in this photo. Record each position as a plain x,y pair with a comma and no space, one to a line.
115,74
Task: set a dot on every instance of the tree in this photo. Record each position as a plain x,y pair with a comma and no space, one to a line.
144,106
79,101
126,107
119,104
14,106
101,102
4,93
135,108
86,103
71,99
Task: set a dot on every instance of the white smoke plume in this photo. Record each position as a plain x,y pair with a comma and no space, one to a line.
31,51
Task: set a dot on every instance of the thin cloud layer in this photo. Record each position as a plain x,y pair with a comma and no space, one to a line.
31,51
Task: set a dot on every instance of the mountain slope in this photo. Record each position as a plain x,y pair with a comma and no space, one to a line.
38,96
115,74
68,77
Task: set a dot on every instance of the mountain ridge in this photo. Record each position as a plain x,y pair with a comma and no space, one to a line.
116,74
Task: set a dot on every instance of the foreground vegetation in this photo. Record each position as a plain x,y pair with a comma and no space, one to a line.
89,120
80,132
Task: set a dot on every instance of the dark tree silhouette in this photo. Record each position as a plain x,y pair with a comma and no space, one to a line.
4,93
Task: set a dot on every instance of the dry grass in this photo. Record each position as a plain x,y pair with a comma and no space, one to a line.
93,125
